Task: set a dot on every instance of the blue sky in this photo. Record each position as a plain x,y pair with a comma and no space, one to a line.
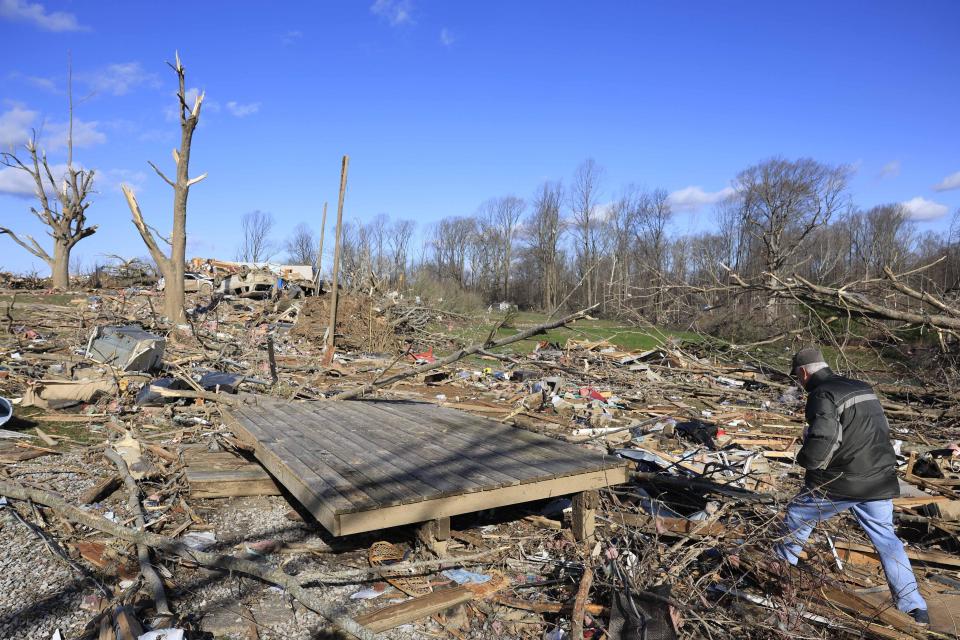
441,105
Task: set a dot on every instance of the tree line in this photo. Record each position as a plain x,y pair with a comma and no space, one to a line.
567,244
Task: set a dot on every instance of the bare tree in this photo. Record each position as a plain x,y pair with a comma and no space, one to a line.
507,215
653,215
301,246
256,245
451,244
62,202
783,201
401,233
585,223
172,266
544,229
882,237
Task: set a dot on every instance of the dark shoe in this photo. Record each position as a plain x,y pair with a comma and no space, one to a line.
921,617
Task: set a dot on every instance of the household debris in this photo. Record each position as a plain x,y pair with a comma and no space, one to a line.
679,551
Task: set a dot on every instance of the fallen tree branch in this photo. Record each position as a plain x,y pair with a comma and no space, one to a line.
143,551
462,353
186,393
268,574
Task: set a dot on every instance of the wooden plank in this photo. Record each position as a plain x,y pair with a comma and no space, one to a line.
395,615
479,447
323,508
325,481
414,477
455,467
351,463
470,502
547,449
222,475
934,557
544,449
425,460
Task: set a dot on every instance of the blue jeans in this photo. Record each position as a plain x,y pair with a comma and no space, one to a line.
875,518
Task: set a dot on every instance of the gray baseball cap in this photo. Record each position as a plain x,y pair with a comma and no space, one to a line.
807,355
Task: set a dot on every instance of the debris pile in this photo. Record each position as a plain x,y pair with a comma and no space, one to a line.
132,510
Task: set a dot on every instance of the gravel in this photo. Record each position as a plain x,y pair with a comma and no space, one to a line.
40,593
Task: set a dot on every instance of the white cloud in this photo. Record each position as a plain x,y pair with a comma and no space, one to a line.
15,126
47,84
18,123
446,37
37,15
952,181
111,179
920,208
291,37
17,182
694,198
889,170
395,12
54,135
119,78
243,110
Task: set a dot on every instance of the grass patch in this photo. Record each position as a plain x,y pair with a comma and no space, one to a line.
624,337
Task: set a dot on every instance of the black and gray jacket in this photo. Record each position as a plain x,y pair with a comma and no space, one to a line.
847,451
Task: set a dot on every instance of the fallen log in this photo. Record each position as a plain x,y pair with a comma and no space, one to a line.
462,353
143,551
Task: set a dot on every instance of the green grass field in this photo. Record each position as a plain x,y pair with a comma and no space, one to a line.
627,338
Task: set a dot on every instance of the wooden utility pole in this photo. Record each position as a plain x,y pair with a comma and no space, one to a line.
328,354
319,265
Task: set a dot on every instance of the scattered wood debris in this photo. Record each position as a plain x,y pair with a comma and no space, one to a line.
128,475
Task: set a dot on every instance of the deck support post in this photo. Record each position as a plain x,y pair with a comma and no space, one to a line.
583,522
435,534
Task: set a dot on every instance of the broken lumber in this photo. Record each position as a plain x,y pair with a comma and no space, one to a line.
101,490
395,615
580,603
194,395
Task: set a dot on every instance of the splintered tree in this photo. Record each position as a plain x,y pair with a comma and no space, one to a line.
172,266
63,204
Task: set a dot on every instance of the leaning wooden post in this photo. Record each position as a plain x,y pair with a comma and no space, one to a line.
319,263
328,354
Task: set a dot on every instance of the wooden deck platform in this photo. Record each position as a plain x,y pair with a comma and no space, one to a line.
366,465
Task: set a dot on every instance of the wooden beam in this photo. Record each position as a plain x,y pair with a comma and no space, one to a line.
394,615
467,503
334,293
584,522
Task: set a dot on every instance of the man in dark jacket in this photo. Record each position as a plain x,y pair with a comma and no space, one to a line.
850,465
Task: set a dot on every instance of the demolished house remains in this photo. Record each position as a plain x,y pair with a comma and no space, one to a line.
216,478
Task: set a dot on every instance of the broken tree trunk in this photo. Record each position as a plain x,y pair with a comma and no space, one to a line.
173,266
462,353
143,551
168,545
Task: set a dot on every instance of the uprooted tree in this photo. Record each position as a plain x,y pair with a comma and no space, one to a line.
62,204
172,267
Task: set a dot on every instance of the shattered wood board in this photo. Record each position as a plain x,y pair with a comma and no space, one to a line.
224,475
367,465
